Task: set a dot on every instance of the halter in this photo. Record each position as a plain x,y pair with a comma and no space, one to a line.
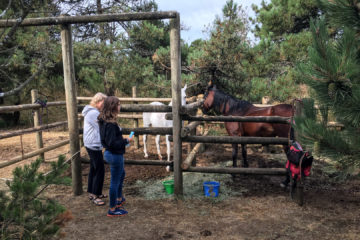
43,104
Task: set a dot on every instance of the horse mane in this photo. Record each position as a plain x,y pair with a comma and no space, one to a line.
235,105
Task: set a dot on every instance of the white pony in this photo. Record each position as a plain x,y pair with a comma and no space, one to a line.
154,119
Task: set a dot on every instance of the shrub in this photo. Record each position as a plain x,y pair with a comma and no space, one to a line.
25,213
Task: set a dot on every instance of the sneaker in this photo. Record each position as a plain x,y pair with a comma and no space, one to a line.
121,202
117,212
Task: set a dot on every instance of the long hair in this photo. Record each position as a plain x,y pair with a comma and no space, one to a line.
110,110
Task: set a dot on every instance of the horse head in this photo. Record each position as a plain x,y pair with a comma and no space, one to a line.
183,95
209,98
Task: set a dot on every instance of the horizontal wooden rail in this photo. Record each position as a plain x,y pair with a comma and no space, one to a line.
129,99
139,99
87,19
34,153
246,171
148,162
22,107
187,109
263,105
138,162
145,108
30,130
239,140
149,130
130,116
272,119
122,116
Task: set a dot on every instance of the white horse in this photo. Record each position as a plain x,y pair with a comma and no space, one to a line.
154,119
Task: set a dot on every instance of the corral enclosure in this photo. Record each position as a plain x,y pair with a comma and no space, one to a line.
248,207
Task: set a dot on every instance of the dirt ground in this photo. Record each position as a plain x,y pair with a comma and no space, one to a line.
248,207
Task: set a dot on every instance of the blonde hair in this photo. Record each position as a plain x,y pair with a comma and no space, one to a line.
98,97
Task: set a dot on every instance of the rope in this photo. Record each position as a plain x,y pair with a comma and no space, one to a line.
64,162
45,174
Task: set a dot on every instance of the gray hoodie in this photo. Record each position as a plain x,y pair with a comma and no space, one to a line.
91,133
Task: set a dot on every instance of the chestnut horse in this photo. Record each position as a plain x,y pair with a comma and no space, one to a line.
226,105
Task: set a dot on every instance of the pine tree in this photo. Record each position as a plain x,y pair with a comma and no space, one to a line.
283,30
25,213
221,55
333,73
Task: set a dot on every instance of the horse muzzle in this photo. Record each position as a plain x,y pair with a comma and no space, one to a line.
204,109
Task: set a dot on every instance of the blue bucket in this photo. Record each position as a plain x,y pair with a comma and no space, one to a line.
211,188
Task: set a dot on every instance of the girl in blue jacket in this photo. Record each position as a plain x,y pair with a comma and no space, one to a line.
114,144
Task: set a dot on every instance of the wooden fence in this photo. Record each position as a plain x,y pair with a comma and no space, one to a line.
38,127
69,74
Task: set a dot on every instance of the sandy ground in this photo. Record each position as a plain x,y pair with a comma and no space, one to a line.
248,207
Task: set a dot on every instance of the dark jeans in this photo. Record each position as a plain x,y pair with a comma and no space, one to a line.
96,173
117,170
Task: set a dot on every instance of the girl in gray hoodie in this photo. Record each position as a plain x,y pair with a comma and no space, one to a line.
92,143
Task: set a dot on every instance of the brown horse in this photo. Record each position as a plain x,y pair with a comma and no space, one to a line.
226,105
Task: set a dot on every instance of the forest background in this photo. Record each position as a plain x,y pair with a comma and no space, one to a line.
306,48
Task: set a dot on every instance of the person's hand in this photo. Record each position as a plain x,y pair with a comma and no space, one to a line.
129,139
131,136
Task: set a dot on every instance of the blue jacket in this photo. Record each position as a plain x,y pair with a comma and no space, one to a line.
111,137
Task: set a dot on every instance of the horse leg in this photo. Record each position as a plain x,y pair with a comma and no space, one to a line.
145,150
234,154
266,148
168,148
168,151
157,141
244,155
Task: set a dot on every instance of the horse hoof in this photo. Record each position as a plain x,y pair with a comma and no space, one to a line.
146,156
160,157
168,168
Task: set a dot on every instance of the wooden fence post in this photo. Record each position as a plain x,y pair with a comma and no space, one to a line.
298,111
71,107
136,121
39,138
175,58
297,193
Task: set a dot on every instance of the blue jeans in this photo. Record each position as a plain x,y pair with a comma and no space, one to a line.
117,170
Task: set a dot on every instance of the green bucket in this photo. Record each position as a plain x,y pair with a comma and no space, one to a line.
169,186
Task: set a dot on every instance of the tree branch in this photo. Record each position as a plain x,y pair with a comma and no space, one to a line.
22,85
7,8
